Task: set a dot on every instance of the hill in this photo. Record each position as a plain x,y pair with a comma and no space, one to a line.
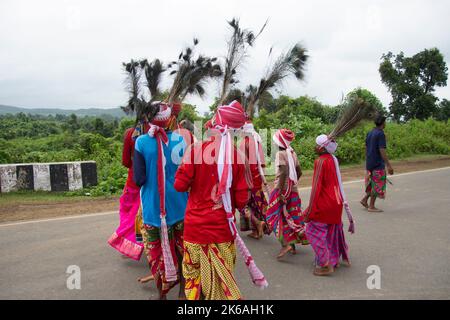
113,112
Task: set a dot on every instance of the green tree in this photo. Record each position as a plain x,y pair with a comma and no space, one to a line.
369,97
72,123
188,112
412,81
443,111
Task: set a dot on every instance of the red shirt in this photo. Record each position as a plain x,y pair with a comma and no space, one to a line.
127,155
205,218
247,147
326,203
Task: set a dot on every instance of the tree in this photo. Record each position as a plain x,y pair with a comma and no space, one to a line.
443,111
72,123
412,81
188,112
370,98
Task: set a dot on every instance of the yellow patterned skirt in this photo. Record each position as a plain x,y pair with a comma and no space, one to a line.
208,270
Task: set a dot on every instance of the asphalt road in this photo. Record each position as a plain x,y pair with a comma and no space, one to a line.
410,242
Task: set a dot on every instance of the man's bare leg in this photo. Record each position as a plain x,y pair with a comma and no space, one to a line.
364,201
372,207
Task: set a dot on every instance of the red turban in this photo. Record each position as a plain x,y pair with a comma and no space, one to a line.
232,115
162,118
283,137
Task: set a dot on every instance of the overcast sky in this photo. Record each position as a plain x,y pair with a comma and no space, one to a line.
68,53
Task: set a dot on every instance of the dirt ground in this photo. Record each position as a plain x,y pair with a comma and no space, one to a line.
19,210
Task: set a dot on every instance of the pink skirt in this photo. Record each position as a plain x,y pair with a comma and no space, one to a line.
124,238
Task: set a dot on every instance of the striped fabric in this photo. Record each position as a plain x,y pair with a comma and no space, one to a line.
328,243
288,224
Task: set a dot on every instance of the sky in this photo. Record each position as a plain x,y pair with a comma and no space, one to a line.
69,53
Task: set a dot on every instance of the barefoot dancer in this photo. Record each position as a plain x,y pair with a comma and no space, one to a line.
376,160
253,215
324,229
156,160
124,238
284,212
217,185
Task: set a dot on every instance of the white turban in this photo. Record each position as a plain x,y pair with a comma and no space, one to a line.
329,145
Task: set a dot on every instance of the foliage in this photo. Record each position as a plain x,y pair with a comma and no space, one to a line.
412,81
25,138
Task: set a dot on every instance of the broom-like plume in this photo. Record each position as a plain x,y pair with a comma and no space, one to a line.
354,111
181,70
201,71
290,63
133,72
237,46
153,72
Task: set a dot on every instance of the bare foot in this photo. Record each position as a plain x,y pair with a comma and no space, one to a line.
323,271
364,204
283,251
253,235
146,279
374,210
293,251
260,227
347,263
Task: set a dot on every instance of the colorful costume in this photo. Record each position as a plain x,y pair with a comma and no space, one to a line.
251,147
325,229
124,238
156,160
375,179
375,182
217,186
285,219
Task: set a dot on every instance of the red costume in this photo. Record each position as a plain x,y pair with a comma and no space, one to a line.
326,201
205,219
127,155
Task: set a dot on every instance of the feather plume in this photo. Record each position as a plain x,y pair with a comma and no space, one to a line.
191,74
153,72
354,110
133,75
290,63
237,46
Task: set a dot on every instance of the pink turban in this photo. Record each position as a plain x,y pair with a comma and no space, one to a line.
232,115
283,138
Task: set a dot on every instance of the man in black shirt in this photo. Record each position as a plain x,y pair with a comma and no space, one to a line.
376,162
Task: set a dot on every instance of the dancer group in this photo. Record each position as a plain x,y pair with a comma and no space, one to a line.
179,202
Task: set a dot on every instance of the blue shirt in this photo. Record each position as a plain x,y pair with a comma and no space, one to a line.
375,140
145,166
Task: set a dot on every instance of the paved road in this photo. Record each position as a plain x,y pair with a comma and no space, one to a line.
410,242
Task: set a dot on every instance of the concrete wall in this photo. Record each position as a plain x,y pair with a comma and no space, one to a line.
61,176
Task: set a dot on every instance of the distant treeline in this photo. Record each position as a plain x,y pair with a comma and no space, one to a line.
32,138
